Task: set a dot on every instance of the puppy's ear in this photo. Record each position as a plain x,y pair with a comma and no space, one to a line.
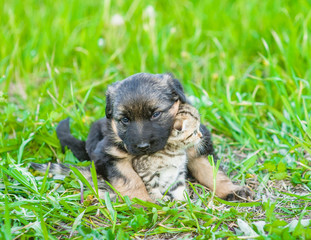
177,89
110,97
108,109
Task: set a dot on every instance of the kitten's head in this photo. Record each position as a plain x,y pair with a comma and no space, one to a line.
186,128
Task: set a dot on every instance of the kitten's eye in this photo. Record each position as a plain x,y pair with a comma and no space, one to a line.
125,120
195,132
156,115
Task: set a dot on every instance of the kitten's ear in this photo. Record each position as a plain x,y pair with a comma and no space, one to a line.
178,124
200,134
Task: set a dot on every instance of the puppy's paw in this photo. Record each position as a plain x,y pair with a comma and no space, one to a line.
243,193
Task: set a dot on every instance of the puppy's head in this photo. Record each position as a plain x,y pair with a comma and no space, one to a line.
142,110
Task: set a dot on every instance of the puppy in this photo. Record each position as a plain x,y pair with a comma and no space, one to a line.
140,112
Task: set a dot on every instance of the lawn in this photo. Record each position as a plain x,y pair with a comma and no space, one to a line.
246,65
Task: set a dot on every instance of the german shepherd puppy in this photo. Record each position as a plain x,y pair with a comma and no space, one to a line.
140,112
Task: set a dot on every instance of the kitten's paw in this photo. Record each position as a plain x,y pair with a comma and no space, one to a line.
156,196
241,193
166,198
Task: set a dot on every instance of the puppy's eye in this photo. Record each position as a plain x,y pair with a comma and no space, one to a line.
124,120
156,115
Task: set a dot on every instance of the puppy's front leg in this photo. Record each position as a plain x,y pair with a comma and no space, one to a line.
115,166
202,170
127,181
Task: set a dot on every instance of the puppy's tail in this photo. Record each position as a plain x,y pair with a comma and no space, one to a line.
68,140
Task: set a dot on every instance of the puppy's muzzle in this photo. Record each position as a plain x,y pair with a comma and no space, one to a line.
143,147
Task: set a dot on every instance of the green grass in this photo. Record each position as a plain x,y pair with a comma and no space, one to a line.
246,66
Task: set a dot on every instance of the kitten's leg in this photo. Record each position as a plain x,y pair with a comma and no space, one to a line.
179,187
202,170
178,193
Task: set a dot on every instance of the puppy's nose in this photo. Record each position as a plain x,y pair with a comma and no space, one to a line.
143,146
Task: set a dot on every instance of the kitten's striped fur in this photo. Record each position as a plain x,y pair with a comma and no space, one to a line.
164,172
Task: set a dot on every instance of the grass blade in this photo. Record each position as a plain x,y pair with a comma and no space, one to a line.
7,219
83,179
76,223
44,185
21,148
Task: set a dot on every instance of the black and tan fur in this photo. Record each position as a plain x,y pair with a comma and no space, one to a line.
132,126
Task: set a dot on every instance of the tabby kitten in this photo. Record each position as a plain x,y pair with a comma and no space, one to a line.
164,172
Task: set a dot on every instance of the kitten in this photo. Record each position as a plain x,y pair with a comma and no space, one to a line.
164,172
